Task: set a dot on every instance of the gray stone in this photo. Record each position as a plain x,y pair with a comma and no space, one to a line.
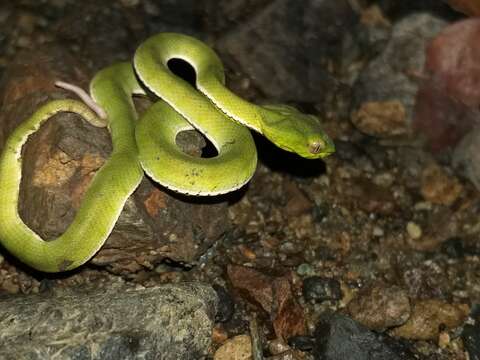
166,322
290,65
395,73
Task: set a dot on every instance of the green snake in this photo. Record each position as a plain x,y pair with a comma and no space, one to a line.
148,145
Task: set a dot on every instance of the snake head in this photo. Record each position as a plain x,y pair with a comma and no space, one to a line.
295,131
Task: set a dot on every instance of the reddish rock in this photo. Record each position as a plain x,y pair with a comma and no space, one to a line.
447,102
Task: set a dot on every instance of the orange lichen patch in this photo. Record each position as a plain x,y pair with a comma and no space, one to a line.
154,202
90,163
80,189
55,170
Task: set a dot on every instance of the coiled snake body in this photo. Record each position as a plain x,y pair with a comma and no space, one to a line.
148,144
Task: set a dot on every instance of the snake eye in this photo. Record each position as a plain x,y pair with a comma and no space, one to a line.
316,146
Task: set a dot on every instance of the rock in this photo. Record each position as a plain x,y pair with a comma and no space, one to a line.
253,285
370,197
303,343
338,337
380,307
385,91
173,320
461,247
288,355
422,281
471,340
448,99
316,288
466,157
381,118
274,295
297,202
226,306
438,187
277,346
414,230
428,316
374,30
288,317
236,348
296,58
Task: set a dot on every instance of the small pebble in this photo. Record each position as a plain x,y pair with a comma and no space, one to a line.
454,248
443,340
316,288
129,3
423,206
384,180
428,317
10,286
302,269
304,343
414,230
381,118
378,231
438,187
247,252
277,346
380,307
471,340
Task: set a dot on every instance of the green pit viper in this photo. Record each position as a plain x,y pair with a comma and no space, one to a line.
148,145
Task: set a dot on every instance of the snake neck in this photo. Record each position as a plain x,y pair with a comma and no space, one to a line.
231,105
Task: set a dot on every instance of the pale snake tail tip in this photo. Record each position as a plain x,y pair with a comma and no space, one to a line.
85,97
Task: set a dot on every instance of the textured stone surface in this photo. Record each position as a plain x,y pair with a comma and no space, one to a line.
289,65
380,306
172,320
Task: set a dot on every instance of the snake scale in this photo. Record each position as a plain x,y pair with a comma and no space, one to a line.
148,145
